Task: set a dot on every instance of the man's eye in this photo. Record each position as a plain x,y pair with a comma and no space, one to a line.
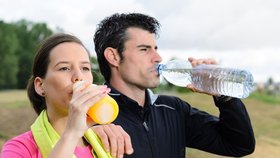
144,49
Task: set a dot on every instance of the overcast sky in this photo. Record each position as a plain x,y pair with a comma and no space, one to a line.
238,33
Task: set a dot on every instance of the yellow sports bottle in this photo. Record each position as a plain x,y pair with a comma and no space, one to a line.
104,111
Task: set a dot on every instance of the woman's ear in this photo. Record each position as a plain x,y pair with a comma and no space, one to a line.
112,56
38,85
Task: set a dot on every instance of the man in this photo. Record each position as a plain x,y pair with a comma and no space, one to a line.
162,126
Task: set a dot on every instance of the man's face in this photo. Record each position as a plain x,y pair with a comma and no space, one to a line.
140,58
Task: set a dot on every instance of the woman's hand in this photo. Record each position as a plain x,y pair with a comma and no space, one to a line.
114,139
84,96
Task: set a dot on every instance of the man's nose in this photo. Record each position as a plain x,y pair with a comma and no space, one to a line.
157,57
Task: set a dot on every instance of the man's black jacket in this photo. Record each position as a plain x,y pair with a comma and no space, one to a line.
166,125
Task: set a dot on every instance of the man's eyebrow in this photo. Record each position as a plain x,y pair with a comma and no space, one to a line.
146,46
143,45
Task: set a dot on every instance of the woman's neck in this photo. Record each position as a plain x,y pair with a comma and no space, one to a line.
59,122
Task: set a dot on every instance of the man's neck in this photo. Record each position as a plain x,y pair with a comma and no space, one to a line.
133,92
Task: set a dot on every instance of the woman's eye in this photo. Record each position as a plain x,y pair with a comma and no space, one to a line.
64,69
86,69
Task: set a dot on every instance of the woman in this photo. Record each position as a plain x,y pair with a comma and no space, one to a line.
60,61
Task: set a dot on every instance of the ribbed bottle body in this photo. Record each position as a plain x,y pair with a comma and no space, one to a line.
224,81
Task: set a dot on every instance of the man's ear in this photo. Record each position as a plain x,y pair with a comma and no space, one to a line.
112,56
38,86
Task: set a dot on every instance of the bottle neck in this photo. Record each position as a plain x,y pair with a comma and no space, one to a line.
159,68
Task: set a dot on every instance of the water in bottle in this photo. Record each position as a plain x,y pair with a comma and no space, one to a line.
212,79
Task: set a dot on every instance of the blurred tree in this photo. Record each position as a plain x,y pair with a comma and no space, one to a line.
29,36
97,76
8,59
18,42
270,86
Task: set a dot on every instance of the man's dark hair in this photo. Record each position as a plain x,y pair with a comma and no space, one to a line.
111,32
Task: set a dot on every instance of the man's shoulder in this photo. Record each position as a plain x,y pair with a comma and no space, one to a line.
172,101
169,98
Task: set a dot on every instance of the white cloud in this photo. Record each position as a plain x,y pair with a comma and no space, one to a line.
224,24
238,33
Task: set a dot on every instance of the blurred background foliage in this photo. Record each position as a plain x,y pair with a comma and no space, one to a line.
19,41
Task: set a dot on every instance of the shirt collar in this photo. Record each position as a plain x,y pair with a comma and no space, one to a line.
150,96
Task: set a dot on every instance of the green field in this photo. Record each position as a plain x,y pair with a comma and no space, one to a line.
17,115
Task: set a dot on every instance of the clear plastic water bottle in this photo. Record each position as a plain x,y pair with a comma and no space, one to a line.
212,79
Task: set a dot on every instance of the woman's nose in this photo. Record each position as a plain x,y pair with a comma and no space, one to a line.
77,76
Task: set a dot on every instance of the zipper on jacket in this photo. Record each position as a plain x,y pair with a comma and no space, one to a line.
146,126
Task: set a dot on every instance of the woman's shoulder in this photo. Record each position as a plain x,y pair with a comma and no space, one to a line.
25,138
22,145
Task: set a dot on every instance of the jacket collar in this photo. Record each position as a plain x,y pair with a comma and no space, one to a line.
151,96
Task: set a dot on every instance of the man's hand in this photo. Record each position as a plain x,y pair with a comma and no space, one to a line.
114,139
196,62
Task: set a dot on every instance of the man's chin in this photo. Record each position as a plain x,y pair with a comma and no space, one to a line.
154,85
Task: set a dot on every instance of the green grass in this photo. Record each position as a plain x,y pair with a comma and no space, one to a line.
3,136
271,99
264,112
13,98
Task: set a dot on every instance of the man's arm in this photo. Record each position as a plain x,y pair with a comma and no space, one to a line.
230,135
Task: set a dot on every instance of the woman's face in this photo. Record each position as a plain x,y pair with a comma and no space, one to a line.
69,62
